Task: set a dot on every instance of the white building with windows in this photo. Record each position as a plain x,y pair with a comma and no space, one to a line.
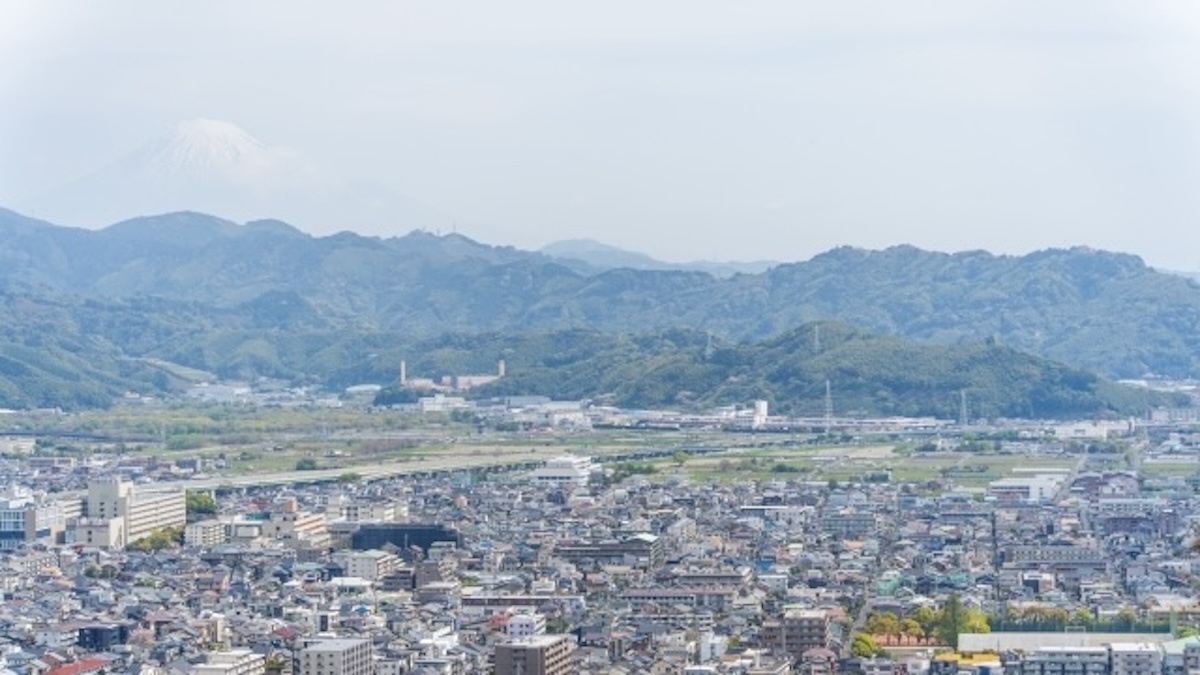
566,471
25,519
232,662
525,625
340,656
118,514
1135,658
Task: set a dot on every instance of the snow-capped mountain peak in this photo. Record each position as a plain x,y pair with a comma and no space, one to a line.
217,167
200,148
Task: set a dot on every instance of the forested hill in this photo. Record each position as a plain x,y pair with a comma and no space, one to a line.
251,292
868,374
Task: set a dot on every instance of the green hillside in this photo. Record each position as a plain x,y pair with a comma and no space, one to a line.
1106,312
868,374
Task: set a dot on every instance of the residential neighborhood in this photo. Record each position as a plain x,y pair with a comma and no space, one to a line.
579,564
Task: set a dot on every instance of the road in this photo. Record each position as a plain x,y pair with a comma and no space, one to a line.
432,463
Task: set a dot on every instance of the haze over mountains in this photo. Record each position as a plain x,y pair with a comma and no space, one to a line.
91,310
605,257
217,167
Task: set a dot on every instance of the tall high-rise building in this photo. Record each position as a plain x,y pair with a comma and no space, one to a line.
535,655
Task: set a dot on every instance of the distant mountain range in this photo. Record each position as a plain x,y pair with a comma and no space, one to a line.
605,257
267,299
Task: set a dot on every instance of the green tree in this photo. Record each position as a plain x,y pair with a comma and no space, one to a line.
864,646
200,503
884,623
927,618
306,464
275,664
680,458
166,537
1082,617
349,477
911,628
951,621
975,621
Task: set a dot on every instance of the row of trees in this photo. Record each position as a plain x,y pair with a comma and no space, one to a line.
1048,618
943,624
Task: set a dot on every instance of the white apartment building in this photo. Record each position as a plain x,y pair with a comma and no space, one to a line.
233,662
369,511
1026,489
118,514
295,527
100,532
566,471
1135,658
205,534
525,625
369,565
336,657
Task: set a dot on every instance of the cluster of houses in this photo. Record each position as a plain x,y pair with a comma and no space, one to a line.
564,570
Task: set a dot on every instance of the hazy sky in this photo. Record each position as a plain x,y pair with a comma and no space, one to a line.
684,129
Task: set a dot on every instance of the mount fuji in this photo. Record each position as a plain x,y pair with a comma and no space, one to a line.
214,166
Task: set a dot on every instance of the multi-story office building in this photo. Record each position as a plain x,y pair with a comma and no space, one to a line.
798,631
101,637
336,657
535,655
642,550
25,519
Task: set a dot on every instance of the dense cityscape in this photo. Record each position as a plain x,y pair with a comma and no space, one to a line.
749,546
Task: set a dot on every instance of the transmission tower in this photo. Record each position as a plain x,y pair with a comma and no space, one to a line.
828,407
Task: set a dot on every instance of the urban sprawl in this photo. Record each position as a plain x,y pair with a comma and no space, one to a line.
605,541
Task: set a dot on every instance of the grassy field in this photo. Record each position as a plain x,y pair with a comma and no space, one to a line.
1169,469
270,440
842,463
